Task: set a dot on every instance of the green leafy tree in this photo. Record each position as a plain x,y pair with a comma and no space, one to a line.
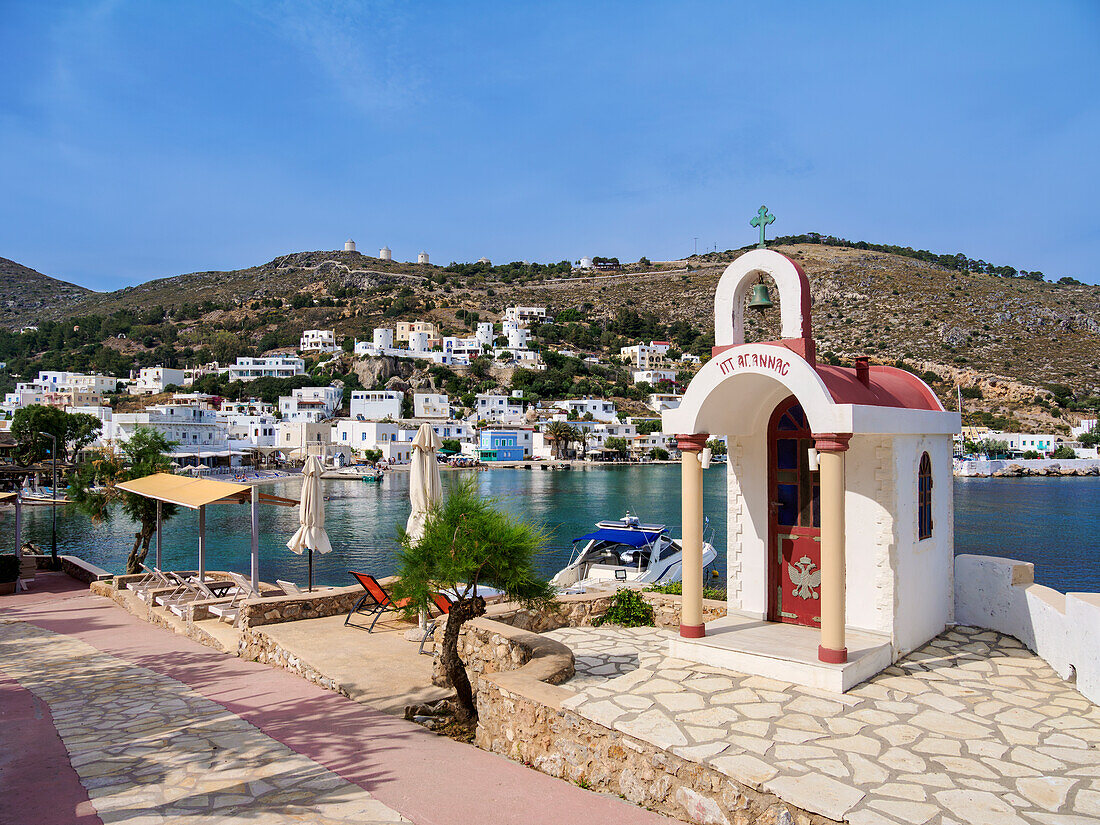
1091,438
659,454
560,433
616,445
93,487
468,542
1064,452
717,447
74,431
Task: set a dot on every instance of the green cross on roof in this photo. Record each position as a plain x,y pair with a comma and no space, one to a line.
762,219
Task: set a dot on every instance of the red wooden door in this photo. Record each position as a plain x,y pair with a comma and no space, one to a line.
794,528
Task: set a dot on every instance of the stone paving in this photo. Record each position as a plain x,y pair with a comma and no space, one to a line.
150,750
970,729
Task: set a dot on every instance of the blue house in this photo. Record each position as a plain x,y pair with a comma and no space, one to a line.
501,445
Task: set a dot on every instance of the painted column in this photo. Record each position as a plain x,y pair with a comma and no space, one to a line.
830,449
202,543
159,564
691,605
255,538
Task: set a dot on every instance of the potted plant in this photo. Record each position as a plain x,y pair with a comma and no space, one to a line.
9,572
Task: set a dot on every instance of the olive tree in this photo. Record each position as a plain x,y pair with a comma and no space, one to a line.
93,487
467,543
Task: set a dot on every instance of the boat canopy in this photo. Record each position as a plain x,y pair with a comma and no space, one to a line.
634,538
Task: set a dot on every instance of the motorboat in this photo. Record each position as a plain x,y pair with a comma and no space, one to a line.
625,551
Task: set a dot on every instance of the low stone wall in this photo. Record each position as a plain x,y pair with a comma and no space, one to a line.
1062,628
523,720
488,646
257,646
129,601
583,609
328,602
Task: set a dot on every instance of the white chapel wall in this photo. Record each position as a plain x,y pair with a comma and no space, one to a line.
924,602
747,525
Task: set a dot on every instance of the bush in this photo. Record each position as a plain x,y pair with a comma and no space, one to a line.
1064,452
677,589
1031,454
628,609
9,568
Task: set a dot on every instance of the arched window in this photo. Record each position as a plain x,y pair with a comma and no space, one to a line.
924,498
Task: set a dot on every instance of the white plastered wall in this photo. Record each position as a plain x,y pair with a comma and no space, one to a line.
924,600
747,525
869,534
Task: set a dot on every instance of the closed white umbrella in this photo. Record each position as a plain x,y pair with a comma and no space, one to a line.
311,534
425,486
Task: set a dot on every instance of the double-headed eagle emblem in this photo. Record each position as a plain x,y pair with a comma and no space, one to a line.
804,581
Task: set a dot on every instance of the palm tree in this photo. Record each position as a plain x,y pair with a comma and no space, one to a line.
559,432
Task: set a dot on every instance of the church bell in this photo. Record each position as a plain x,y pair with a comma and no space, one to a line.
760,298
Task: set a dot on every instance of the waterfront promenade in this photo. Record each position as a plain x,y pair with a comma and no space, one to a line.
108,719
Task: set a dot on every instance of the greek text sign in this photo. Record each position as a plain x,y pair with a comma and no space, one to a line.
765,361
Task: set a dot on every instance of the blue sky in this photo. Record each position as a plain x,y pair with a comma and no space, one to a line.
142,140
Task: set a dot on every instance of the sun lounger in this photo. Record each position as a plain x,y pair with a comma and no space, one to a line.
228,610
374,602
188,591
289,588
152,579
443,602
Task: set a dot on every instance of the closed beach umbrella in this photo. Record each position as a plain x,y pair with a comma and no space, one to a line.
425,486
311,534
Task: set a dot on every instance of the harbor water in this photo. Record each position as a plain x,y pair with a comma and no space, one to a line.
1048,521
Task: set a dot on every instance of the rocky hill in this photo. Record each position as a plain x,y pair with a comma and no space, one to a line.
26,293
1025,351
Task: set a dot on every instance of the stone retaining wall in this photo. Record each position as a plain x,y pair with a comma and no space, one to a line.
489,646
582,610
1015,468
524,721
328,602
257,646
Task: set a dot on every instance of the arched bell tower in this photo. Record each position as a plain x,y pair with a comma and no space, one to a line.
796,333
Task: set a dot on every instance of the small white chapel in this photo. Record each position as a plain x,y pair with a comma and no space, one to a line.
840,522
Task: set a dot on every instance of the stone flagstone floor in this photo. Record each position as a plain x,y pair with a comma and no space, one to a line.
150,750
972,729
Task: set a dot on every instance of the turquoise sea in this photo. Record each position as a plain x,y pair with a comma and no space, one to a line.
1049,521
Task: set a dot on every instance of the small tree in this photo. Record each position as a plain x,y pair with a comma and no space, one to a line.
93,487
468,542
616,445
559,432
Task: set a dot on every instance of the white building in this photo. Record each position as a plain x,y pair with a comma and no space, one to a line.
385,253
49,379
485,333
586,263
654,376
383,338
499,408
661,401
248,431
376,404
154,380
349,245
276,366
310,403
196,431
517,335
386,436
599,408
430,405
422,258
251,406
461,350
525,315
643,356
318,340
301,438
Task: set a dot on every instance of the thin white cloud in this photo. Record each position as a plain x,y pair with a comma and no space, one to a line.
361,45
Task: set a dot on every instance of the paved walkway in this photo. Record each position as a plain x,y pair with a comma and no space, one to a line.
105,718
971,728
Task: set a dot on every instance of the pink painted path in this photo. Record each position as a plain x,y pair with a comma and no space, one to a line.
427,778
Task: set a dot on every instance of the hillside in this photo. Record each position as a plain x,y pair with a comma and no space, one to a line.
26,293
1022,348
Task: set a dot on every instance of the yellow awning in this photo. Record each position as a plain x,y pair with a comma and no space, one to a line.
186,491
